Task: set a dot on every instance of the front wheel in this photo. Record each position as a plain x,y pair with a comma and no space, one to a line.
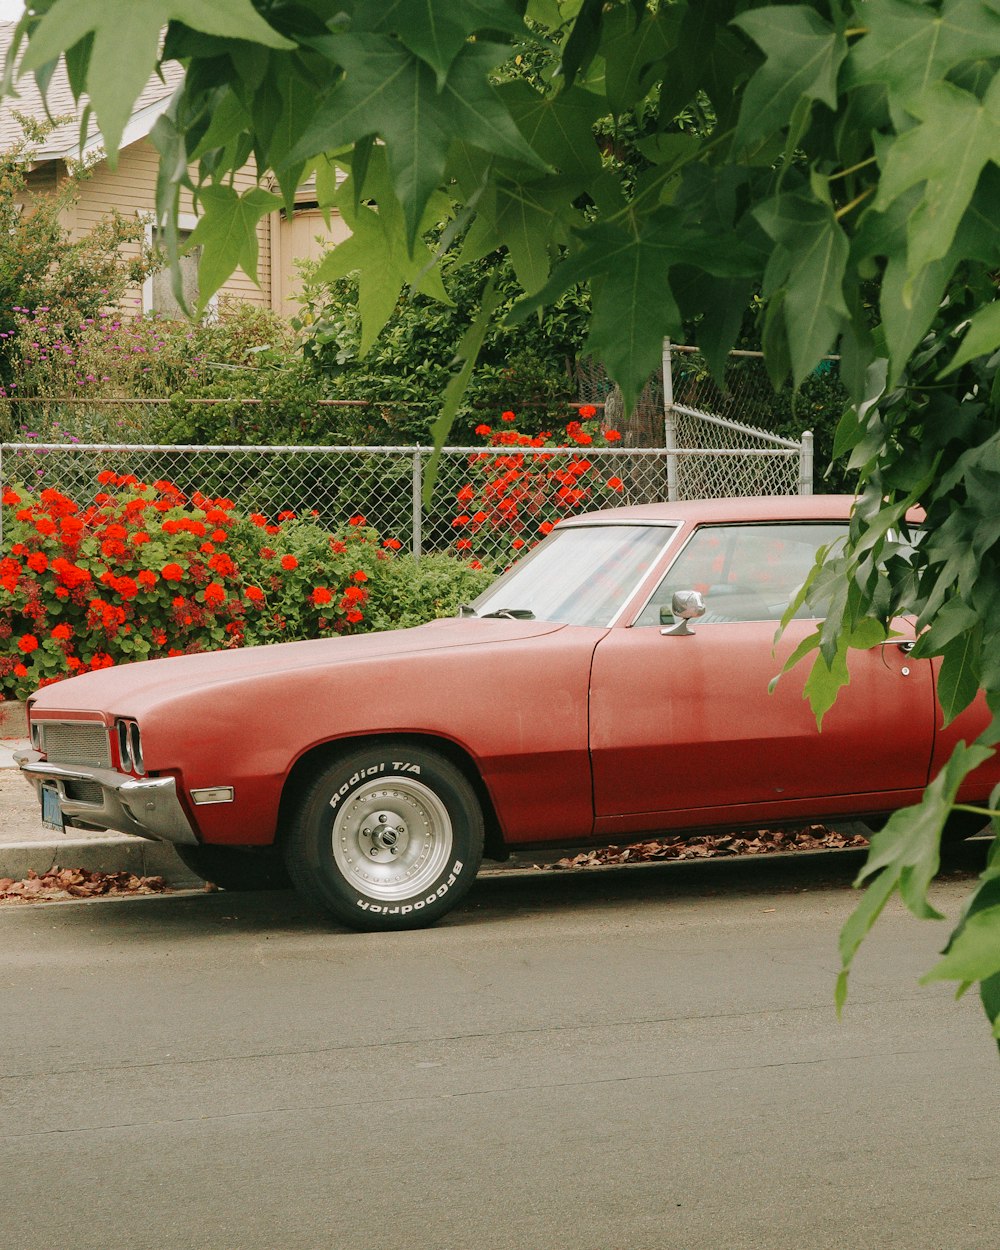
389,836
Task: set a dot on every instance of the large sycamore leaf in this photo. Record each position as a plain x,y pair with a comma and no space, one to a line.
559,127
910,46
633,306
227,235
803,55
126,38
632,51
905,856
957,136
435,30
808,265
389,92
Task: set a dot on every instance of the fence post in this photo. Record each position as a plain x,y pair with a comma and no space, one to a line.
806,464
669,423
417,496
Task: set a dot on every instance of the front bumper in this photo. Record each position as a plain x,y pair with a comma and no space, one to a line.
147,809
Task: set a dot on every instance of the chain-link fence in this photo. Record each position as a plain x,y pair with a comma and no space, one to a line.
682,441
482,498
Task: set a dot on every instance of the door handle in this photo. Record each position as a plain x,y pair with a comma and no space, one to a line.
905,645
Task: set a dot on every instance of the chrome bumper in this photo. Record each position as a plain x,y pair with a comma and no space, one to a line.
147,809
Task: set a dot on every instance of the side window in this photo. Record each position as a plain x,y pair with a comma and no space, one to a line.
746,572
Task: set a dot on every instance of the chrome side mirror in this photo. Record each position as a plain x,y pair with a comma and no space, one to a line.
686,606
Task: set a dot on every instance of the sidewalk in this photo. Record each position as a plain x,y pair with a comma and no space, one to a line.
27,845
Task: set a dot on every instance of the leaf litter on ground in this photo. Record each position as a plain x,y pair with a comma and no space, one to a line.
68,883
715,845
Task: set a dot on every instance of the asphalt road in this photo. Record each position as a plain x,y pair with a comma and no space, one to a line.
642,1059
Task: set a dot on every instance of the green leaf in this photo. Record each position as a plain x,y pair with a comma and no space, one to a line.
974,952
633,306
908,47
946,153
467,355
227,235
389,92
982,338
803,55
126,38
908,847
528,220
435,30
959,675
377,250
808,265
631,52
559,127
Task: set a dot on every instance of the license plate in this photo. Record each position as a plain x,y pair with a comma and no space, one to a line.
52,816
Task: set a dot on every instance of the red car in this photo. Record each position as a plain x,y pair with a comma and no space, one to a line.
567,704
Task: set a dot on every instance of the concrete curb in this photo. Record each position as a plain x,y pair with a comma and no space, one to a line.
110,855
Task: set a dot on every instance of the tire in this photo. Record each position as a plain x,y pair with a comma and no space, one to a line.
236,868
389,836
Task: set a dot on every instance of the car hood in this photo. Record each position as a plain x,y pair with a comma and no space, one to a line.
128,688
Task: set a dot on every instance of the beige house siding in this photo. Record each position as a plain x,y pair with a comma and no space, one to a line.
131,188
303,236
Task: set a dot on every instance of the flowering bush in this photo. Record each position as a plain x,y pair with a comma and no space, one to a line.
525,495
144,570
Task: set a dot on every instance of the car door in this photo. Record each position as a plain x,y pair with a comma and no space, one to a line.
683,729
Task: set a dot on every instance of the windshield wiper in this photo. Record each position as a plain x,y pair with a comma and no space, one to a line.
512,614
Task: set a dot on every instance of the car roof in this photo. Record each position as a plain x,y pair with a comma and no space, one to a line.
745,508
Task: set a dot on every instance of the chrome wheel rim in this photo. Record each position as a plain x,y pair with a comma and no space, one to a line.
392,840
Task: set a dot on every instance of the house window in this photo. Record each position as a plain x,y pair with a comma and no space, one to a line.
162,298
158,292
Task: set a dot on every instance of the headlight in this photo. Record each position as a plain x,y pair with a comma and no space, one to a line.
124,746
135,746
36,735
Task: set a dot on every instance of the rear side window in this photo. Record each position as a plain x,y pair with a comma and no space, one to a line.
745,572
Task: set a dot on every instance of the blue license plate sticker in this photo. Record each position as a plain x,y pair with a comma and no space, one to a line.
52,816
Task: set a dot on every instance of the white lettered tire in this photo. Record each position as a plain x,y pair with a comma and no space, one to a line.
387,836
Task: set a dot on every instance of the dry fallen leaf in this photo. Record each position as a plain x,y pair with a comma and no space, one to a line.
64,883
715,845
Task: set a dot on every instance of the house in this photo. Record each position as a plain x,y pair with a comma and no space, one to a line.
131,188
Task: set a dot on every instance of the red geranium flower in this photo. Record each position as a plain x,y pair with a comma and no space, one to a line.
320,595
62,633
172,573
215,594
508,416
587,411
616,483
357,520
27,643
289,563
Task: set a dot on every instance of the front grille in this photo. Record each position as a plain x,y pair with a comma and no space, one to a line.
66,742
84,791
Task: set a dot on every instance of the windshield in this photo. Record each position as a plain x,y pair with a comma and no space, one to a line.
582,575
